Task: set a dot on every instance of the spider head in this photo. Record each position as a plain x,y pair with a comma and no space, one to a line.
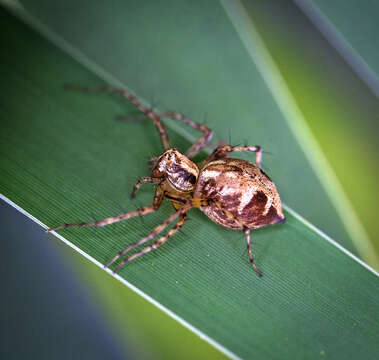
180,172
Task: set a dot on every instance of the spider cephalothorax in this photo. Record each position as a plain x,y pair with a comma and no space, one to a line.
232,192
180,172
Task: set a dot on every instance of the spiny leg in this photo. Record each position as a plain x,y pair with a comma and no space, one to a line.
224,150
142,181
247,235
152,234
110,220
149,112
156,244
202,141
153,161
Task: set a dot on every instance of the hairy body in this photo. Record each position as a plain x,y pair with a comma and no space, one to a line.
242,195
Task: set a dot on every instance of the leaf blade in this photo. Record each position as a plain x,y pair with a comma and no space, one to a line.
49,172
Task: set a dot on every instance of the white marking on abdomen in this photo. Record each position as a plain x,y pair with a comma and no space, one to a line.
246,197
231,174
268,205
228,190
210,173
216,162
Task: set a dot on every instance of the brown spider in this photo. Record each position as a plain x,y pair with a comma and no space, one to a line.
232,192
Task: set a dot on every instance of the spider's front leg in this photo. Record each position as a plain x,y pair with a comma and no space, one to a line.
111,220
142,181
202,141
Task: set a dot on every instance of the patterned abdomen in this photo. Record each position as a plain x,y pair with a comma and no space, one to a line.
242,195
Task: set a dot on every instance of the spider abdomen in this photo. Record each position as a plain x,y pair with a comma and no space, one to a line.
241,195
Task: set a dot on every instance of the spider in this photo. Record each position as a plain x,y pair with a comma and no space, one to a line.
232,192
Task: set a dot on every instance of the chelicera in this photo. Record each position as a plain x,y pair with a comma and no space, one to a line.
232,192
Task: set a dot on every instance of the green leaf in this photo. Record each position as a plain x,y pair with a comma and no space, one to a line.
196,65
64,158
352,28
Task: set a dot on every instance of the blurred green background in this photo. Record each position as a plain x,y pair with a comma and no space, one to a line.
194,51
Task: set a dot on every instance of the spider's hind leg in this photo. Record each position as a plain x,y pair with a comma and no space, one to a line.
111,220
251,258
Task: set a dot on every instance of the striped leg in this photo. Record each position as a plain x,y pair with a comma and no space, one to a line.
153,234
156,244
110,220
202,141
142,181
223,151
247,235
126,94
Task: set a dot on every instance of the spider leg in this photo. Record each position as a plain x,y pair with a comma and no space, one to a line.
110,220
224,150
152,162
247,235
156,244
152,234
202,141
142,181
149,112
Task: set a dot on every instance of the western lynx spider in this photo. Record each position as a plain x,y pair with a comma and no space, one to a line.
232,192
